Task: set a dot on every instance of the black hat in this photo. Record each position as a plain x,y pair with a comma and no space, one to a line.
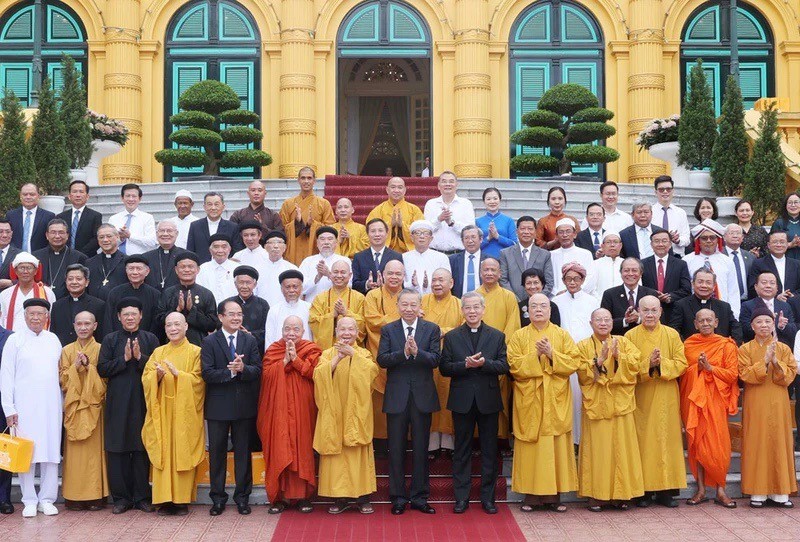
290,274
762,311
129,302
36,302
326,229
245,270
219,237
137,258
249,225
188,255
276,233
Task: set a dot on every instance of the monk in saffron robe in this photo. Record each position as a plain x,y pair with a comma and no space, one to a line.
542,356
609,468
84,482
443,309
173,432
380,308
767,367
330,306
709,394
352,236
343,435
398,214
658,413
302,215
286,416
502,312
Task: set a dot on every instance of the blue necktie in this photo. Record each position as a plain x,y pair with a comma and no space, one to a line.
471,274
26,232
596,240
739,279
76,217
232,346
123,245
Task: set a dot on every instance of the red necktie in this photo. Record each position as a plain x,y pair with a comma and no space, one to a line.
660,275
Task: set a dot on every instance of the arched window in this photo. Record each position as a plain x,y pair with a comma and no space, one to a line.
552,42
707,35
33,35
212,39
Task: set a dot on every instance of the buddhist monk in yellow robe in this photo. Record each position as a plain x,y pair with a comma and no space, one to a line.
398,214
609,465
343,434
338,302
173,433
542,356
302,215
658,412
767,367
709,394
84,482
380,308
443,309
502,312
352,236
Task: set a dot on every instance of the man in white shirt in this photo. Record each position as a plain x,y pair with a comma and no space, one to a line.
742,259
567,253
709,233
448,214
317,268
615,219
291,288
421,262
269,287
607,268
28,286
136,229
669,216
217,273
183,204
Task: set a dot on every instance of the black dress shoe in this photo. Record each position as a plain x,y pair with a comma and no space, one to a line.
460,507
121,507
6,508
398,509
180,509
424,508
216,509
489,507
144,506
667,501
243,508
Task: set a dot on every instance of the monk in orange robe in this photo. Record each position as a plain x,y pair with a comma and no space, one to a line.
286,417
709,394
302,215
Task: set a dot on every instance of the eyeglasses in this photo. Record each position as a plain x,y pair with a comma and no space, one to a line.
572,279
664,189
708,238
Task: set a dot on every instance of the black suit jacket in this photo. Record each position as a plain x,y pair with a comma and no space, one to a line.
106,269
615,300
88,224
169,277
585,240
760,265
677,281
630,245
199,236
409,376
480,385
785,335
364,264
38,240
63,314
57,280
8,257
458,271
686,309
230,398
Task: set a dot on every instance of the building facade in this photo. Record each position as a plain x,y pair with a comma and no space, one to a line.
352,86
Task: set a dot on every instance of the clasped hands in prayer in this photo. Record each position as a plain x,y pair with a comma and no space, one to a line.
410,349
371,284
184,303
475,361
343,350
322,271
132,350
161,371
81,361
291,353
415,282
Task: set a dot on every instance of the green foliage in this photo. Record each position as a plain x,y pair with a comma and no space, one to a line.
209,96
730,153
586,132
182,157
16,162
538,136
593,114
567,99
534,163
241,134
238,116
591,154
195,137
765,174
698,127
77,130
48,144
246,158
541,117
194,119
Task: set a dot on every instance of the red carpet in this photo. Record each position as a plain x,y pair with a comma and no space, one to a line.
382,525
368,192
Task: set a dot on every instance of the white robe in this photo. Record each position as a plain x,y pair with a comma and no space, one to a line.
19,311
562,256
308,267
726,276
30,388
268,286
423,263
575,315
278,313
607,274
218,278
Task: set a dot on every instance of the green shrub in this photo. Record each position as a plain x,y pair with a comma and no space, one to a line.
730,154
48,144
16,161
698,127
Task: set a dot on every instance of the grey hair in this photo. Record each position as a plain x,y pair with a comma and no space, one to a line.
473,295
409,291
469,227
639,204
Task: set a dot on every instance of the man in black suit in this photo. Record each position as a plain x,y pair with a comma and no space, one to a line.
592,237
366,274
201,230
623,301
162,259
766,291
786,269
32,237
232,372
704,283
474,356
742,259
466,277
107,268
636,238
57,256
65,309
7,253
666,273
83,222
409,351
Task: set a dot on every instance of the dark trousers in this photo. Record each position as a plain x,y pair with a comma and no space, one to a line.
129,477
241,432
464,428
397,428
5,476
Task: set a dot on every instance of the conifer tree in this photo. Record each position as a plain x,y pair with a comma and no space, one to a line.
730,153
765,174
697,130
48,146
77,131
16,162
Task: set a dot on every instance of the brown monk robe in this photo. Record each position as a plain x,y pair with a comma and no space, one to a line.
302,215
286,417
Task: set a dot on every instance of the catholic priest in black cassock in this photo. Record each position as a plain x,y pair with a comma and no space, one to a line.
254,308
136,271
62,315
162,258
107,268
195,302
57,256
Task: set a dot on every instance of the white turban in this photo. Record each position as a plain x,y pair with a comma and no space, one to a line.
24,257
421,225
565,222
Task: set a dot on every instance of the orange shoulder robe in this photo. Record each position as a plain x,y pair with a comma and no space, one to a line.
707,399
286,417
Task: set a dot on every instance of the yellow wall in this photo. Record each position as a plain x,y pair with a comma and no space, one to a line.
126,67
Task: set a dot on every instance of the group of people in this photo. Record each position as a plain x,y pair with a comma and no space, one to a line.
324,342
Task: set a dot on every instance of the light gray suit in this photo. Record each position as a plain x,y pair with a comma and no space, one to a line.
511,268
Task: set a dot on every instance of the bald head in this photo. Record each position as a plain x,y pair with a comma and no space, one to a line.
705,322
393,274
490,272
175,327
293,329
347,330
649,311
340,274
85,325
396,189
256,192
539,309
344,209
441,283
601,322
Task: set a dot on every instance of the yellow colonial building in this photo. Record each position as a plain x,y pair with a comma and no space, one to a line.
356,86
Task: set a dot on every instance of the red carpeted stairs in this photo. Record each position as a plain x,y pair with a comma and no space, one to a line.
368,192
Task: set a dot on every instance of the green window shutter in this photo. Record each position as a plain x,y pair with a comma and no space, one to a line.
404,25
62,27
705,26
752,81
194,25
534,80
17,77
240,78
583,75
185,74
537,27
20,27
364,26
747,28
575,27
233,24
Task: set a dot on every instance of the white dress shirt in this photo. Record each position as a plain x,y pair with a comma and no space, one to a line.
218,277
780,264
277,315
677,220
142,230
308,267
643,241
627,300
424,264
213,225
33,221
476,264
740,260
257,258
616,221
268,286
562,256
447,238
183,228
607,274
726,276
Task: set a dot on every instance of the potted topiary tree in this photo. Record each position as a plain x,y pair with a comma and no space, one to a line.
765,174
49,148
211,116
698,129
730,154
567,120
16,161
77,132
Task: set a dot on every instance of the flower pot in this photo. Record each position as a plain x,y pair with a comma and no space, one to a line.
102,149
726,205
699,178
54,204
668,152
77,175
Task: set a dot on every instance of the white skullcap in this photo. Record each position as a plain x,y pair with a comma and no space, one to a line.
183,194
711,225
24,257
565,222
421,225
610,233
